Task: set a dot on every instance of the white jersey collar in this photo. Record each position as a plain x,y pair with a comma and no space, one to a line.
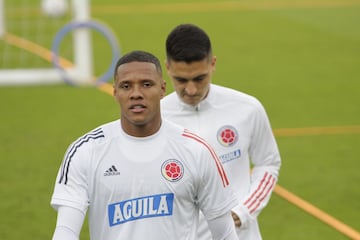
203,105
161,129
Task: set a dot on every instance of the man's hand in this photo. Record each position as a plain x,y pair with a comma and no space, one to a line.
236,219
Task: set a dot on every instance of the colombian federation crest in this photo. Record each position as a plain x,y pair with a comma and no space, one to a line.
227,136
172,170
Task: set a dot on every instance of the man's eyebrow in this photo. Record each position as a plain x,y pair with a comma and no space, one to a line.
201,76
188,79
180,78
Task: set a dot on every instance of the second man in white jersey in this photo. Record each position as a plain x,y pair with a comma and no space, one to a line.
234,123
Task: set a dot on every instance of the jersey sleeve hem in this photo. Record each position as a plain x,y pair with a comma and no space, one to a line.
243,214
226,207
57,202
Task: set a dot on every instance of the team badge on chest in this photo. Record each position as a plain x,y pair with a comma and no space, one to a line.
227,136
172,170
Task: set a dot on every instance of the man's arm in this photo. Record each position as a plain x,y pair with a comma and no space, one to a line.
265,157
68,224
222,227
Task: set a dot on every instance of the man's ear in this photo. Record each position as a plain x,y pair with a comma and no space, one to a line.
213,63
167,64
163,88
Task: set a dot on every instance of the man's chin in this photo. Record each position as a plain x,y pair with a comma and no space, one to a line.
192,102
138,121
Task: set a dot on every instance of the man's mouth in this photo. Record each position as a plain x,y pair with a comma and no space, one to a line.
137,108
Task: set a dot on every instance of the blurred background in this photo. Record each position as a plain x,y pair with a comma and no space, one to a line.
300,58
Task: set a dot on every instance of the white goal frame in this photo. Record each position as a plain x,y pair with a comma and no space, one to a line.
81,70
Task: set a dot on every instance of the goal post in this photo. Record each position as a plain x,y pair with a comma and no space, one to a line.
13,44
2,19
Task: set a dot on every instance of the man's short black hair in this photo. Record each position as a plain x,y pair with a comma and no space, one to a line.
139,56
188,43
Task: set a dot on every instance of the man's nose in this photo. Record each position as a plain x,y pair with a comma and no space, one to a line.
190,88
136,92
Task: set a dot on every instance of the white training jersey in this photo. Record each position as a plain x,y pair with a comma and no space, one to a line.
237,127
142,188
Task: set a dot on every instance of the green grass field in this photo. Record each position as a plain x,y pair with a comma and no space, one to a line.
300,58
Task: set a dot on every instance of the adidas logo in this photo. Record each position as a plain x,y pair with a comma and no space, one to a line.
111,171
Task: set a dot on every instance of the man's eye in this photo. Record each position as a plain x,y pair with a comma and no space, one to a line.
147,84
199,79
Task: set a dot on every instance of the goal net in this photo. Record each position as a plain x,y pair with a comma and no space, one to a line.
26,36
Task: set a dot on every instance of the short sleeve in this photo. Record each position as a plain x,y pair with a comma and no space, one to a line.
71,186
215,196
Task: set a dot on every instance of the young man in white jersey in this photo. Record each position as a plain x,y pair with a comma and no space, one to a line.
141,177
234,123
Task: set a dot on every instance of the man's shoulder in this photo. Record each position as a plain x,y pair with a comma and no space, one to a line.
170,98
97,135
170,104
231,95
232,92
172,129
179,133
